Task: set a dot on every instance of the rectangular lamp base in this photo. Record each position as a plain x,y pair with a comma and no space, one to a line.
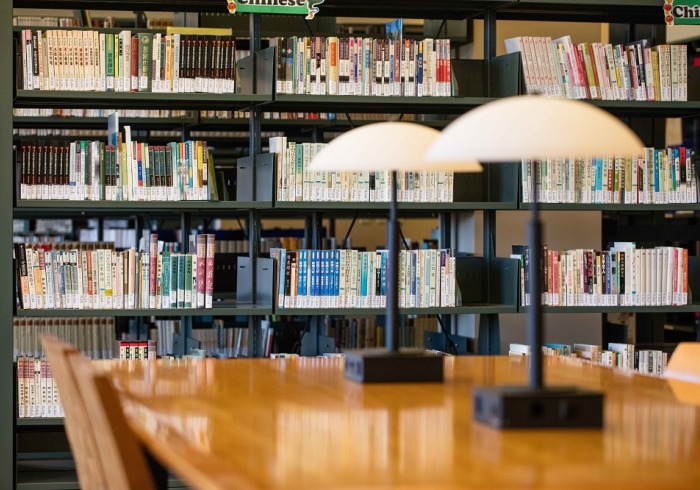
520,407
404,366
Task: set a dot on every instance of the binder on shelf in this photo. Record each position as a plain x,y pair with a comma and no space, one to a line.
496,184
503,281
263,166
506,75
261,82
263,284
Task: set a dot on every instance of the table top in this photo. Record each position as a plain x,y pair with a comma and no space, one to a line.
297,423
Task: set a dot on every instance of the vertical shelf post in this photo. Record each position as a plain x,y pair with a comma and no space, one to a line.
254,149
489,336
7,408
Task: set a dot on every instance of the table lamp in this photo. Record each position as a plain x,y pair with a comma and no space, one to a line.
534,127
388,146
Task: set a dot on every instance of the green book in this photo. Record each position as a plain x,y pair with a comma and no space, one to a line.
109,61
181,280
166,281
188,281
174,259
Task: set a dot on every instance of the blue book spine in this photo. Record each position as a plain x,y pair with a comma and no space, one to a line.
301,282
325,276
315,270
656,176
675,169
363,280
598,179
382,278
419,68
187,178
336,276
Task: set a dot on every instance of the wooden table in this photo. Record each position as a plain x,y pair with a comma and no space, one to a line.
297,423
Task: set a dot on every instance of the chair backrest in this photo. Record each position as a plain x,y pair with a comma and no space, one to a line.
78,430
123,460
684,362
106,452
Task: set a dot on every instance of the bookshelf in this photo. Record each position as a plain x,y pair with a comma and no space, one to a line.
491,295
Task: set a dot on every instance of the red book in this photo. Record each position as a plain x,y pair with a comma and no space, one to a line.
201,267
134,68
209,271
152,269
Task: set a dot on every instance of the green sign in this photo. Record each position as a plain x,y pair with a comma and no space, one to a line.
682,12
309,8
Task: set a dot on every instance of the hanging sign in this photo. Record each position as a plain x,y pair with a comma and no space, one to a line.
309,8
682,12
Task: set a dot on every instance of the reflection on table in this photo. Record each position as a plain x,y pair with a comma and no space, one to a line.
297,423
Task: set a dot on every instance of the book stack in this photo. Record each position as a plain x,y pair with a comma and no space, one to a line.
622,276
128,171
363,66
156,276
88,60
634,71
354,279
296,183
656,177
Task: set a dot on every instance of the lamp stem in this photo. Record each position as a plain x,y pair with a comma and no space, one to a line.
534,317
392,285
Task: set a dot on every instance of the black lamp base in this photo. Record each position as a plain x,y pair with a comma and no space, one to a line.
403,366
521,407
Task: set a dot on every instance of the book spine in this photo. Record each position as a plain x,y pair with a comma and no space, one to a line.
209,271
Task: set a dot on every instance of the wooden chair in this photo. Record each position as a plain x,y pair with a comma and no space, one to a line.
107,449
78,431
123,459
683,372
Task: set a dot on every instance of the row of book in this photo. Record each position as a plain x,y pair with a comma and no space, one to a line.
622,276
353,279
152,277
656,177
93,336
88,60
59,112
617,355
218,341
128,171
79,133
135,350
363,66
633,71
296,183
46,21
362,332
37,392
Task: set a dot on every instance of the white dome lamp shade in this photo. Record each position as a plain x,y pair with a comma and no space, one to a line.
387,146
534,127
